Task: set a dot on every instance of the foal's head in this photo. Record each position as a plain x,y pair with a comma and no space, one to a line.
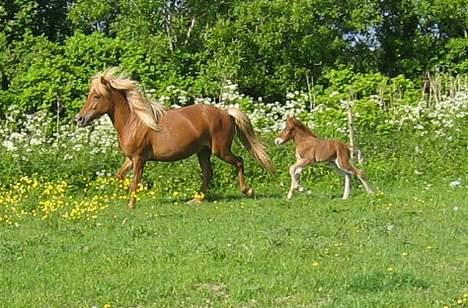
98,103
288,131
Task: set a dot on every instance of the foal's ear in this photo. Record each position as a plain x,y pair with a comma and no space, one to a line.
292,119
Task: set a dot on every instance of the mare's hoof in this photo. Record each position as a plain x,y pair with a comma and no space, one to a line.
195,201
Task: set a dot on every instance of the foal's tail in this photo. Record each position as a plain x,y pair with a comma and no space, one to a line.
357,154
246,134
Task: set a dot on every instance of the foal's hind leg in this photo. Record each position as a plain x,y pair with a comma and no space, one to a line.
348,169
237,162
346,173
359,174
363,178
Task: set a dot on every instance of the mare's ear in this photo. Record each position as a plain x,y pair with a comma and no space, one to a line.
104,81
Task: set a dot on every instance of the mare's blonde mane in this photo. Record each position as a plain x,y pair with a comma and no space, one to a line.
148,111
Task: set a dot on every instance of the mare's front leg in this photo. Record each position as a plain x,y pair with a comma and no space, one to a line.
138,165
127,165
295,173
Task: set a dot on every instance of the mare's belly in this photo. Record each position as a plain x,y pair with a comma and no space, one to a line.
179,138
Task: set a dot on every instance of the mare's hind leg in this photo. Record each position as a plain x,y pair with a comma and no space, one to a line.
127,165
207,170
237,162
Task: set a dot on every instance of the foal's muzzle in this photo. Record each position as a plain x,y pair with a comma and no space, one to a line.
279,141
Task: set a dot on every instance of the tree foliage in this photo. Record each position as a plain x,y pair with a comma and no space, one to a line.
50,49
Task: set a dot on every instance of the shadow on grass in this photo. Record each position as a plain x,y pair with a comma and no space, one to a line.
380,281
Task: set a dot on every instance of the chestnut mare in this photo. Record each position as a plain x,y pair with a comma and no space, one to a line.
311,149
146,131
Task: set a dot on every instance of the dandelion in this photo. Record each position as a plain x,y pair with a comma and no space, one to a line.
315,263
199,196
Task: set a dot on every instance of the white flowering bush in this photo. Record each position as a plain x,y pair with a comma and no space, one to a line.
37,134
39,144
440,117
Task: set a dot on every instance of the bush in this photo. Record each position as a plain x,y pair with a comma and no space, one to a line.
402,143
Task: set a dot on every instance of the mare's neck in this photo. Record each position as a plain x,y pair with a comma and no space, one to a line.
120,113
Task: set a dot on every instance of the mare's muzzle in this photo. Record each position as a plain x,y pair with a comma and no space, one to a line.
82,120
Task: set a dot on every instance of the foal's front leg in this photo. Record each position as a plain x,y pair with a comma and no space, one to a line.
295,173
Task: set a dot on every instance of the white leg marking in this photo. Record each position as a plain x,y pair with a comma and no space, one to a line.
366,185
347,186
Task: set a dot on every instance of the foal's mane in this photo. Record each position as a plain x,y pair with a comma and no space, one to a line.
146,109
299,125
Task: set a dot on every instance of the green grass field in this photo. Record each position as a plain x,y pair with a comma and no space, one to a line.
406,247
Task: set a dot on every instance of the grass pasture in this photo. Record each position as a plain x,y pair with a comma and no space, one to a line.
405,247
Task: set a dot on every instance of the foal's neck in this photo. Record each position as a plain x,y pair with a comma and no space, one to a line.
302,133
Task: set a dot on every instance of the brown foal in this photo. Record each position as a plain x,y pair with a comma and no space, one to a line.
146,131
311,149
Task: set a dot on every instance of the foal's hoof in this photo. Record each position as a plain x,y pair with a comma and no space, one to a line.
250,192
131,205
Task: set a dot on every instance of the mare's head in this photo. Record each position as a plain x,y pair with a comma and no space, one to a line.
288,131
111,85
99,100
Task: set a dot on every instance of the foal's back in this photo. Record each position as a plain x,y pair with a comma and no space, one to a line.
319,150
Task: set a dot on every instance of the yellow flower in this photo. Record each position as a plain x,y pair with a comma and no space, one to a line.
199,196
315,263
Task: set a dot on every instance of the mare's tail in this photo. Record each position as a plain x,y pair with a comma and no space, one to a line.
246,134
